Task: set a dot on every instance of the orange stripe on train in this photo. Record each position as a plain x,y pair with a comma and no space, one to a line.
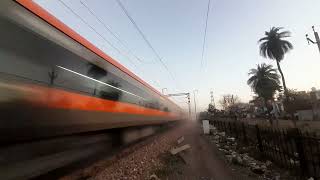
57,98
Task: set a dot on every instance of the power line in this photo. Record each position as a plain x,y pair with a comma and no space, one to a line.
117,37
183,102
64,4
108,28
145,38
205,33
100,35
69,8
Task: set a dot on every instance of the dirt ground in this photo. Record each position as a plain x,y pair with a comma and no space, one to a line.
203,161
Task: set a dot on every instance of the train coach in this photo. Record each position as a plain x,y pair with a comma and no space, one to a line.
53,82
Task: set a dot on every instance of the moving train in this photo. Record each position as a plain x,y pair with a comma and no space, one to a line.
53,82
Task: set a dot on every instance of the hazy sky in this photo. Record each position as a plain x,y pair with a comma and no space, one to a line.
175,28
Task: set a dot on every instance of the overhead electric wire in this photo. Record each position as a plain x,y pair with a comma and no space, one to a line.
108,28
145,39
97,33
182,102
205,33
71,10
85,22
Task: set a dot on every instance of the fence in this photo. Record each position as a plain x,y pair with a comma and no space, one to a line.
289,148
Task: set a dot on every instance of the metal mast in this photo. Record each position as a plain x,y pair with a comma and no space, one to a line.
316,35
212,98
187,96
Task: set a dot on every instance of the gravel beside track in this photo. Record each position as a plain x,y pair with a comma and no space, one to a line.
136,161
140,163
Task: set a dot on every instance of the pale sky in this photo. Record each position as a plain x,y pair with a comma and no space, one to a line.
175,28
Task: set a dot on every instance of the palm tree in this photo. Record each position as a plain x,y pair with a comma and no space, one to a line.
264,81
274,47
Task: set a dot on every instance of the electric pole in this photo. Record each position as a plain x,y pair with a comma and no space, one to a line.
316,35
212,98
195,103
188,98
189,105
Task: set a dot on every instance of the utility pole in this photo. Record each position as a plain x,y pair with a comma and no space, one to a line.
316,35
212,98
195,103
187,96
189,105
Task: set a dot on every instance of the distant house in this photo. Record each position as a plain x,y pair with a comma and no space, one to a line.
306,105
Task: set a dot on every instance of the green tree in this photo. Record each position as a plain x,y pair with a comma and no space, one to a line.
274,46
264,81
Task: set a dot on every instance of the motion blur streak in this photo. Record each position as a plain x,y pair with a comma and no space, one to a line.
55,98
56,86
62,99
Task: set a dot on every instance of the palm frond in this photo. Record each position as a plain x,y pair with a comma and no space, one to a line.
263,39
272,44
284,34
264,80
264,49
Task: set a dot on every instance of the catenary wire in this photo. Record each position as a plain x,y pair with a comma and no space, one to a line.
116,36
146,40
100,35
205,33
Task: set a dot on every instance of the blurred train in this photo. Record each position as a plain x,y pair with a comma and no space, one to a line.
54,83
